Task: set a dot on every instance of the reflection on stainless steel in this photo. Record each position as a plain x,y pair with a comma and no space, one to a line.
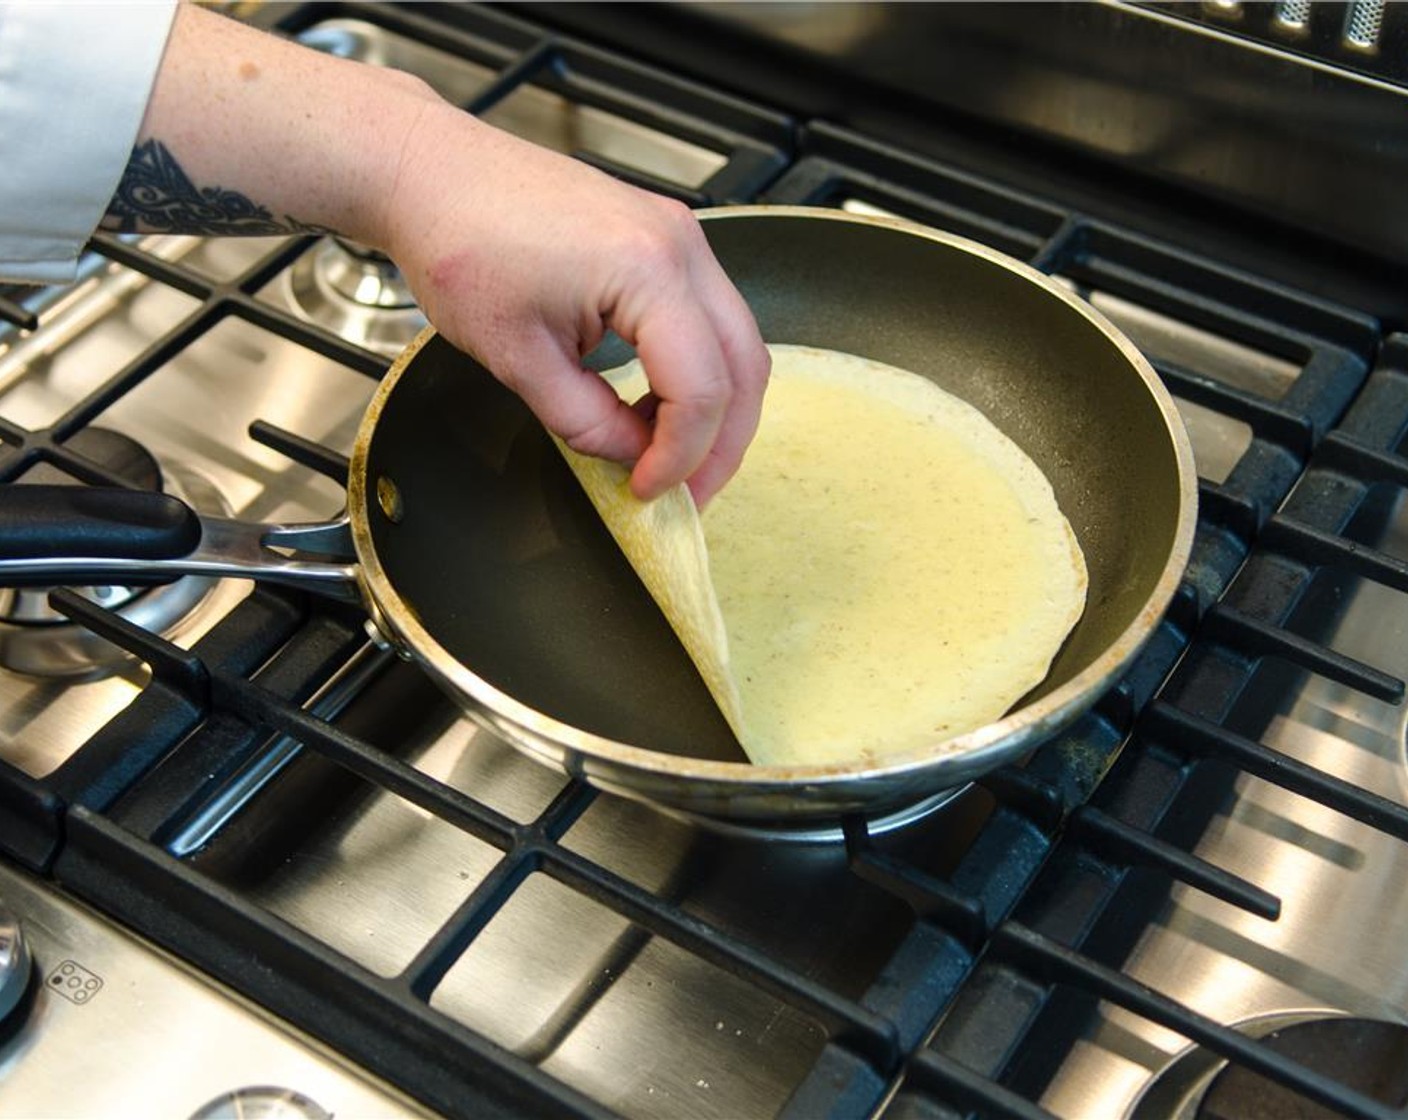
1178,1090
327,704
378,874
366,276
262,1102
1336,878
581,1006
69,310
531,112
828,26
29,607
1180,94
559,124
1219,441
1166,339
101,986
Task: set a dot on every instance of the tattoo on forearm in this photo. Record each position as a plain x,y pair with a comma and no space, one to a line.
157,196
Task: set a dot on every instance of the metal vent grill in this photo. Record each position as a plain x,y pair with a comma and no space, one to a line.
1363,23
1366,36
1293,14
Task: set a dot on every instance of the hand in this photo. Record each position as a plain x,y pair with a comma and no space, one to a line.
524,259
519,256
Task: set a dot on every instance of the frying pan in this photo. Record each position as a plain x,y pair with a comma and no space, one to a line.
478,556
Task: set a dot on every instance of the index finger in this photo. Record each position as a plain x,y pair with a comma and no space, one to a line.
684,363
748,363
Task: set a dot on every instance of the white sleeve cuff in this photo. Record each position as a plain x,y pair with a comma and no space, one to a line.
74,83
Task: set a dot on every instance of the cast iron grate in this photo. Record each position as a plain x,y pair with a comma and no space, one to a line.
755,141
15,312
98,824
30,810
1028,999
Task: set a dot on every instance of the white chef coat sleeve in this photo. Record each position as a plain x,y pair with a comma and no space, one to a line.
75,79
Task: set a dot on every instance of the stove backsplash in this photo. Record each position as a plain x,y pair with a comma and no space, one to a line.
1290,112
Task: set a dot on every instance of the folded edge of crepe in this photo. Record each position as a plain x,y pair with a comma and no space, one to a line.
664,542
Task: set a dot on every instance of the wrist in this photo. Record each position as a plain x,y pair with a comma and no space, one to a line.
394,107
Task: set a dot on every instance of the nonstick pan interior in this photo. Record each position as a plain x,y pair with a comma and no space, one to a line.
506,565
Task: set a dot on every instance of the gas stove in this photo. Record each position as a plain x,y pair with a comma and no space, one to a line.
235,829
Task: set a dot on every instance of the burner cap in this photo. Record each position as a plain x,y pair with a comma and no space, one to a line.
355,292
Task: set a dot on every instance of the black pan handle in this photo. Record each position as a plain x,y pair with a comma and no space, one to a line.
51,521
82,535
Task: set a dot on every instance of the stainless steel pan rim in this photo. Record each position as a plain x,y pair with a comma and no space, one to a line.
972,753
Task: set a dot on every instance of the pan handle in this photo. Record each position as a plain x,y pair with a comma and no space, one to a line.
82,535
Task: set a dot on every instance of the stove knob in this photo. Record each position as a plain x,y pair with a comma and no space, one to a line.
15,966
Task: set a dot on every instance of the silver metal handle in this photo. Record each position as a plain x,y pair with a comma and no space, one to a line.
314,556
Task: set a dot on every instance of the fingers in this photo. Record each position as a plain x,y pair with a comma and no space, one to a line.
684,363
748,362
576,404
707,367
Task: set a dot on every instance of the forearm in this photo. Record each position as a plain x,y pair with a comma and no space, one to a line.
247,133
521,257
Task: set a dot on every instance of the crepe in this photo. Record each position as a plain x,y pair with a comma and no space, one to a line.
886,571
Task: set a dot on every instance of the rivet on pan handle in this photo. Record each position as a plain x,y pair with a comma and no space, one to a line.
380,632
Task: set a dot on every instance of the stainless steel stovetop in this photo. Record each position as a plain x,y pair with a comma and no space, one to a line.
623,1008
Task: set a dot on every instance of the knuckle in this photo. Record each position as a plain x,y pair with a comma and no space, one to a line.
707,399
658,255
714,388
411,83
668,243
592,436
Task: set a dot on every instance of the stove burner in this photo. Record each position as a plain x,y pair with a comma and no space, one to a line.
1366,1055
16,966
37,640
357,293
123,456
